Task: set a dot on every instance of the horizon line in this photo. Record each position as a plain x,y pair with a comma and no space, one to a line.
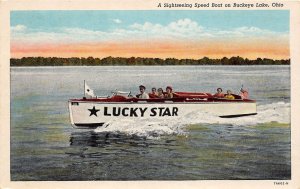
150,57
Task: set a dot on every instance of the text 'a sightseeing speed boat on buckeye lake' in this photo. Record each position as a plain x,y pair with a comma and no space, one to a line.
92,111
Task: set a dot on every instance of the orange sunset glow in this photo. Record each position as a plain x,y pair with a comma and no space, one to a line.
276,49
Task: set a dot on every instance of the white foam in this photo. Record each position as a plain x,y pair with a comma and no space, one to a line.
275,112
143,127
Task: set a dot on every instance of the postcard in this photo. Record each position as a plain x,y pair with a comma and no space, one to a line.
181,94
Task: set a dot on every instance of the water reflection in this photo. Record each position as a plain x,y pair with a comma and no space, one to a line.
105,139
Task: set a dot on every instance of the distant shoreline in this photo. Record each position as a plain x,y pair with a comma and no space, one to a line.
138,61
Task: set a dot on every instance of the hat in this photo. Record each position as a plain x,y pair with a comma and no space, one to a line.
142,86
169,87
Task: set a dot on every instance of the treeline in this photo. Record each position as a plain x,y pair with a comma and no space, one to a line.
133,61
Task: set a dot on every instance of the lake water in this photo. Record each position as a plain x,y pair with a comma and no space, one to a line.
44,146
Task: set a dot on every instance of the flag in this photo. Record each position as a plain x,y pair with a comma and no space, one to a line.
88,92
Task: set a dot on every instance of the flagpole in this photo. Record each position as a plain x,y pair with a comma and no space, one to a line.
84,88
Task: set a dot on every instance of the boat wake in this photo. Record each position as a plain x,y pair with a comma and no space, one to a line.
276,112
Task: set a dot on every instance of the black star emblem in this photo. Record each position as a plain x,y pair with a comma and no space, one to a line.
93,111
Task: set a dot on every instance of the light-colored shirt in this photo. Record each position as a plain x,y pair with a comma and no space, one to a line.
144,96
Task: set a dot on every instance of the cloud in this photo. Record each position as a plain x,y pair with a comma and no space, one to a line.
83,33
180,30
117,21
252,31
188,29
147,26
18,28
184,26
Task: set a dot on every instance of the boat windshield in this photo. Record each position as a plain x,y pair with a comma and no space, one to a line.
121,93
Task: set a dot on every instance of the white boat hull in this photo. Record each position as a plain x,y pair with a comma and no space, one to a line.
88,114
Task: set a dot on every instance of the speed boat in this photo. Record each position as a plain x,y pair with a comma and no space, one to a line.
93,111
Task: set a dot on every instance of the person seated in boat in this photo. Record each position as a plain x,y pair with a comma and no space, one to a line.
229,95
244,94
160,93
169,93
153,93
143,94
219,93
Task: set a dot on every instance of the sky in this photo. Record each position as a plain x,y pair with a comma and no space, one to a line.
157,34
